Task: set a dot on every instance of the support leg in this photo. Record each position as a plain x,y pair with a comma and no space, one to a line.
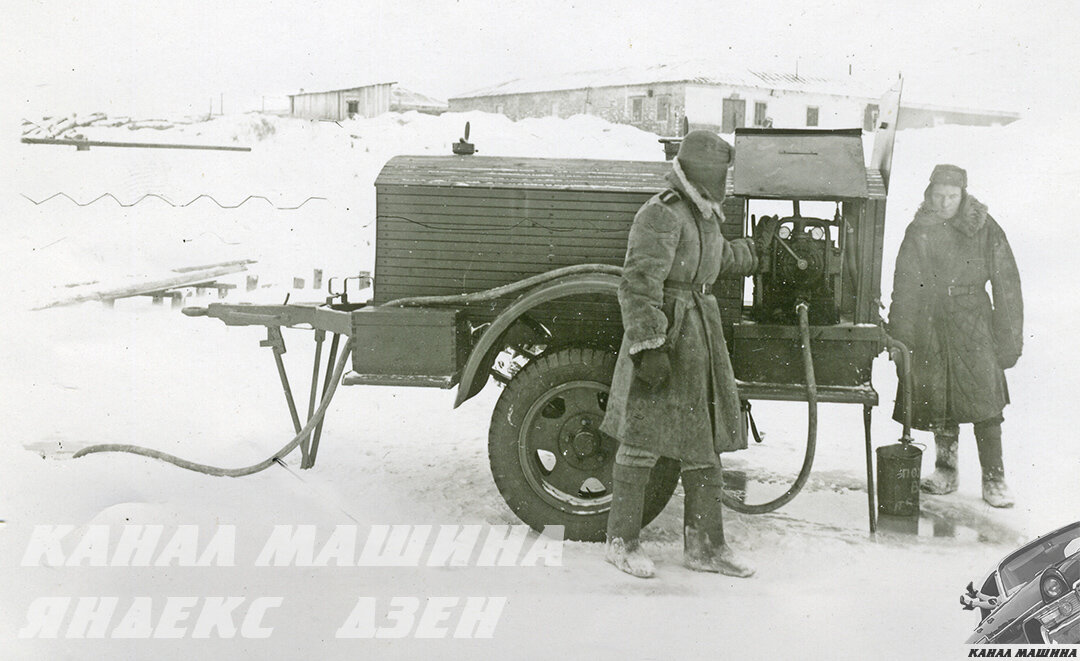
275,341
867,411
326,385
305,446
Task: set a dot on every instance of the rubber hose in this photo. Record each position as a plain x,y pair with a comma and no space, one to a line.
811,431
318,415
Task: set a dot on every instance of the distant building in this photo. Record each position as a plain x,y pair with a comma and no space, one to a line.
925,115
361,101
669,99
342,103
404,100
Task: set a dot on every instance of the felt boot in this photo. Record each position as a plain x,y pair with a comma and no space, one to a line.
624,521
994,490
944,480
704,547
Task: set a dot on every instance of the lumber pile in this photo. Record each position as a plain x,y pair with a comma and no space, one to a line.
68,127
159,287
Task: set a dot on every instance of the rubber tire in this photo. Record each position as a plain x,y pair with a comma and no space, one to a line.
531,383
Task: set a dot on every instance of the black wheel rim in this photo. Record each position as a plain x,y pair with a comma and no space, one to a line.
565,458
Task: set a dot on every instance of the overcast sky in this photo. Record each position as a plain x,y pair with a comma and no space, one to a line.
151,57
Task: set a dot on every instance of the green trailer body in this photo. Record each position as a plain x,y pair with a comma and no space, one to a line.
454,224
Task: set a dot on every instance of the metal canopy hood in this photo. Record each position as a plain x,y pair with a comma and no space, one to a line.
802,164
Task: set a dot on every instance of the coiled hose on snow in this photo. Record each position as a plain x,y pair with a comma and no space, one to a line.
317,417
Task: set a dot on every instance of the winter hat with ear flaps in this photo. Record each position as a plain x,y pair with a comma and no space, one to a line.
950,175
705,157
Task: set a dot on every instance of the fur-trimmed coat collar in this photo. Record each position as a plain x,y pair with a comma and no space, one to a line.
969,218
677,178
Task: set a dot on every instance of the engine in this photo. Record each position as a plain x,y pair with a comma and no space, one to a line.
802,263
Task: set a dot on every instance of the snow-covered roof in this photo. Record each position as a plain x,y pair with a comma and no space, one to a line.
327,89
690,71
399,96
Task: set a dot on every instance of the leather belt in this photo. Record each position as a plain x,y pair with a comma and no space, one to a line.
964,290
683,285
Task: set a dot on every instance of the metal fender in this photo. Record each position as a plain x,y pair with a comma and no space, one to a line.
472,378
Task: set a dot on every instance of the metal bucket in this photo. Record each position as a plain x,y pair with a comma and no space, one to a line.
898,468
900,525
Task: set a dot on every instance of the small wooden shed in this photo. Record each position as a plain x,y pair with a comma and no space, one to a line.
342,103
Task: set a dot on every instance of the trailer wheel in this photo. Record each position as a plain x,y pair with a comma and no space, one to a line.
549,459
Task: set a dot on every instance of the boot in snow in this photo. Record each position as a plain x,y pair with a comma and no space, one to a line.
629,557
624,522
995,492
988,437
704,547
944,480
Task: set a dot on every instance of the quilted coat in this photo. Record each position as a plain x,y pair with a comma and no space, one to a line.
961,340
696,414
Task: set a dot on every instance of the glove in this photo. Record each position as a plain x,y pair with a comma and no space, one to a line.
763,263
755,257
1006,352
763,240
653,367
1007,360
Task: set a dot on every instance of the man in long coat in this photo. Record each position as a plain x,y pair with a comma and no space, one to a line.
673,392
961,342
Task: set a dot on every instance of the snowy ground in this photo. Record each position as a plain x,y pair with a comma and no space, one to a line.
141,374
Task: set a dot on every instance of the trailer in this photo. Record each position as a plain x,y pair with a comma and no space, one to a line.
506,269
